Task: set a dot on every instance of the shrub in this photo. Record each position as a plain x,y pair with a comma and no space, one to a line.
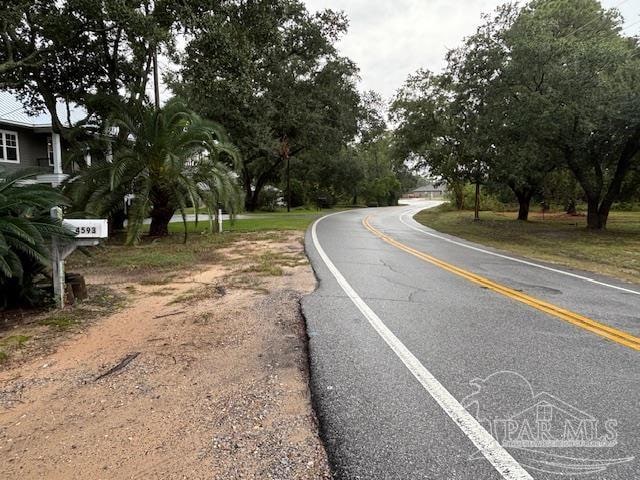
488,201
624,207
26,230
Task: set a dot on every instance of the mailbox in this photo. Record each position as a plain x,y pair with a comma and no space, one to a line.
88,232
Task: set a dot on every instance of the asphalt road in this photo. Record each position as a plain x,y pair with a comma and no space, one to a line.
419,370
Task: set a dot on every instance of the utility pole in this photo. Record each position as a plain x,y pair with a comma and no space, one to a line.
156,79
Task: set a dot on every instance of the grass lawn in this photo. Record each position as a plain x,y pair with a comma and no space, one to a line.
558,238
279,211
259,222
165,255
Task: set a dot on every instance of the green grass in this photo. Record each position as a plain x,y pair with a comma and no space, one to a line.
267,264
558,238
248,225
101,301
158,259
258,222
198,294
160,256
61,322
298,222
16,341
149,257
27,336
282,210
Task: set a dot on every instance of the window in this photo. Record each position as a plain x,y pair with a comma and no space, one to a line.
9,147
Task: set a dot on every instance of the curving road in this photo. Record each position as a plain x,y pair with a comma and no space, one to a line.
435,358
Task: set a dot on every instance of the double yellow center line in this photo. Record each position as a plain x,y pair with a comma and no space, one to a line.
581,321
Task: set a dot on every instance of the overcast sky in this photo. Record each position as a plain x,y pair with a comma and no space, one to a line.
389,39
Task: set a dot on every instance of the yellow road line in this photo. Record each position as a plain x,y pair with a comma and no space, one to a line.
618,336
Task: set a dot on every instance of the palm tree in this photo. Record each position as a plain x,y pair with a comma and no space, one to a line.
26,229
169,159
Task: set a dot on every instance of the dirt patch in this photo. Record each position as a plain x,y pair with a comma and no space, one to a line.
215,386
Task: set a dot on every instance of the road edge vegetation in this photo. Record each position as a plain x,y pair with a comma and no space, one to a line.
555,238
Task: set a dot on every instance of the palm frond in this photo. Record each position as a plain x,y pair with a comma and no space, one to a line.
25,227
166,157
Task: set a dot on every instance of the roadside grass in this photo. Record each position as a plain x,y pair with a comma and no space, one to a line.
271,263
273,222
280,210
159,258
257,222
156,280
31,330
102,300
246,282
557,238
17,341
10,343
267,264
61,322
195,295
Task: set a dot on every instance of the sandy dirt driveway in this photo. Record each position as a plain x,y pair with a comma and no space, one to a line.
216,386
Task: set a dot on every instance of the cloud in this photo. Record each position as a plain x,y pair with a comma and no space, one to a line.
391,39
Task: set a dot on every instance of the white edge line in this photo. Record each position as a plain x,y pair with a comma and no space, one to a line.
506,257
501,460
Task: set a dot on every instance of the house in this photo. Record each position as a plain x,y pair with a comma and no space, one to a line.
430,190
28,141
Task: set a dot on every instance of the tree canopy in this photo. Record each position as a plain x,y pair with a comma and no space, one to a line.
276,81
72,50
545,86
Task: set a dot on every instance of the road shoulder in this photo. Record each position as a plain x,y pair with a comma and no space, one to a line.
218,388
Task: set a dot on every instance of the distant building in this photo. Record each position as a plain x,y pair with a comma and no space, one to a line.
430,190
28,141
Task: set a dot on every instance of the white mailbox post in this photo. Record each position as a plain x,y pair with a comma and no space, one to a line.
88,233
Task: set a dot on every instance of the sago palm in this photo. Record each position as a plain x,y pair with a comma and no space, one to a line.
26,230
171,159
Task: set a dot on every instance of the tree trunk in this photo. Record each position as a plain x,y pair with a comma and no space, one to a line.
161,214
288,184
248,193
458,193
603,215
251,199
524,201
250,202
597,214
116,222
597,209
593,218
476,210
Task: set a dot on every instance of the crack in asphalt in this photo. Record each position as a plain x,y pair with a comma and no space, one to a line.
393,269
413,289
